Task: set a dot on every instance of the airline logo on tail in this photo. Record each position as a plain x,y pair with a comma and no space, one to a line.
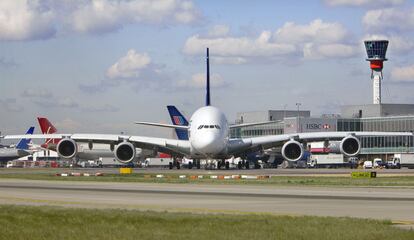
48,128
178,119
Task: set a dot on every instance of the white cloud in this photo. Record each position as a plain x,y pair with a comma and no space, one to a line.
389,19
42,19
312,51
316,31
403,74
24,19
367,3
105,15
199,81
219,31
129,66
315,40
238,47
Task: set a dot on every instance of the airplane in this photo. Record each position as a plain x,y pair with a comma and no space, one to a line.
86,151
20,150
208,138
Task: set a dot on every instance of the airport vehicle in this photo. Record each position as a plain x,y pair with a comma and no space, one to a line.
401,160
208,138
367,165
87,151
377,163
20,150
326,160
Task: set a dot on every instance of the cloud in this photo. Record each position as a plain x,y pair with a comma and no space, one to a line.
24,19
5,63
43,19
39,93
389,19
219,31
104,108
199,81
315,40
365,3
403,74
11,105
316,31
100,16
129,66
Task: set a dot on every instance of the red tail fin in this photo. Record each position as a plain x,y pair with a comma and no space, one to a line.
48,128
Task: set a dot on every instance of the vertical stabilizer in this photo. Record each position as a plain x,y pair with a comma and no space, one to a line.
208,81
24,143
178,119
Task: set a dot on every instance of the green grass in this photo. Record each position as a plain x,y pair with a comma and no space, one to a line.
401,181
23,222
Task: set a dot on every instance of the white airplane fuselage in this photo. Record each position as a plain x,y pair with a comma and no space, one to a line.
208,133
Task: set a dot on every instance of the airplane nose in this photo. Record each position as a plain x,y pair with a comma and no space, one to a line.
207,144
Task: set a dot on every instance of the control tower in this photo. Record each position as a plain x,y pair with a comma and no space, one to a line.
376,51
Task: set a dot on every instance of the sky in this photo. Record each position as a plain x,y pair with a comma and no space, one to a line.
99,65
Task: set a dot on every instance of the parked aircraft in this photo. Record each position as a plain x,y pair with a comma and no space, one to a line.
87,151
20,150
208,138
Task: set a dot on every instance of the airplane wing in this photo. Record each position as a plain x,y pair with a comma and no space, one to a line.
246,145
171,146
163,125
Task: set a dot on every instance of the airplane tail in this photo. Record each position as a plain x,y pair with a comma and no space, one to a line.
208,81
47,128
24,143
178,119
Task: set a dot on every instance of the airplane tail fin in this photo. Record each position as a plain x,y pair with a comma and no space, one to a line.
178,119
24,143
208,81
47,128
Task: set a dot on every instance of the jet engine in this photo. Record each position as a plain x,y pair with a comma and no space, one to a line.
292,150
350,146
67,148
125,152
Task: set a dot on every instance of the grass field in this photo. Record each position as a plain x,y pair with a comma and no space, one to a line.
402,181
22,222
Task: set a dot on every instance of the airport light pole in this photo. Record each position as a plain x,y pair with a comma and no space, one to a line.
298,122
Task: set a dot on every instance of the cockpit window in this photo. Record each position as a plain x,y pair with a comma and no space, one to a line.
217,126
200,127
211,126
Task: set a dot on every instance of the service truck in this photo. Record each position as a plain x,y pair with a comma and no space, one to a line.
401,160
327,160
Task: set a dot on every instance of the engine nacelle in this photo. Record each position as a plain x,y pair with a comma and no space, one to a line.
125,152
67,148
292,150
350,146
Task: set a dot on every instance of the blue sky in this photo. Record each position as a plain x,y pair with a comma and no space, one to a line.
97,66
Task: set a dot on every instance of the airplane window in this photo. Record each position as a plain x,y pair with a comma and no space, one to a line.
205,126
200,127
217,126
211,126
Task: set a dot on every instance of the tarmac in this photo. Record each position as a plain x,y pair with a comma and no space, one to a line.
392,203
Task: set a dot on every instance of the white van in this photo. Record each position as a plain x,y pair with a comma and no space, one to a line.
367,165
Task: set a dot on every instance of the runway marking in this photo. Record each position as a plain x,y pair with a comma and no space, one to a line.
228,194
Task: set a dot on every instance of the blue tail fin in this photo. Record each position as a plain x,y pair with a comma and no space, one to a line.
24,143
178,119
208,81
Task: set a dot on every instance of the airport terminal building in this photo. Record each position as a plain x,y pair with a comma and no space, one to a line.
372,117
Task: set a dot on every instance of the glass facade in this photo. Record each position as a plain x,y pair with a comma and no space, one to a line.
376,49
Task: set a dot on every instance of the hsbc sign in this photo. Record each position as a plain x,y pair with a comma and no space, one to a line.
313,126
